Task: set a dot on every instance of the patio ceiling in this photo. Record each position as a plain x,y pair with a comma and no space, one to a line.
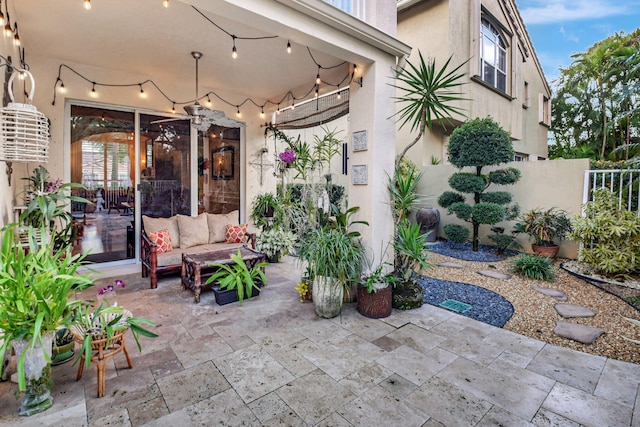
144,38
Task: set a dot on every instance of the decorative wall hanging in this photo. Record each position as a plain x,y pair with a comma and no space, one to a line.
360,175
24,131
359,140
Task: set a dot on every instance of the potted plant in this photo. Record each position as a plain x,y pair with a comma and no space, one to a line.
411,257
275,242
335,259
375,293
545,227
38,284
266,211
237,278
100,331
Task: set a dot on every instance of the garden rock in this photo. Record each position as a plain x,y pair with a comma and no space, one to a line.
495,274
581,333
550,292
450,264
573,310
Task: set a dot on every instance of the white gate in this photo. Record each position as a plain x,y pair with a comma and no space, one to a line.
624,182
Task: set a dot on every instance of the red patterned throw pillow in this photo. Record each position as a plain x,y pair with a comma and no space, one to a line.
236,233
162,239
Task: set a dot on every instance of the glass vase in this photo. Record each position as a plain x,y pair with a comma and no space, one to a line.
37,370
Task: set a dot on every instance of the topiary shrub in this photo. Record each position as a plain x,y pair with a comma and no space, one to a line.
610,235
456,233
533,267
503,241
479,143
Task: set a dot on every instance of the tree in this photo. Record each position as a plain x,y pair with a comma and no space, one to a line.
595,107
479,143
428,93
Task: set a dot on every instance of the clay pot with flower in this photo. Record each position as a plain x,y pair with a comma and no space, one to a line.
375,293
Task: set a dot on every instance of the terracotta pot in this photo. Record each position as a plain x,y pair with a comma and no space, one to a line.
546,251
375,305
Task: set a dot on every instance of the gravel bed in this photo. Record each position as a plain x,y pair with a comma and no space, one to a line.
485,253
487,306
534,314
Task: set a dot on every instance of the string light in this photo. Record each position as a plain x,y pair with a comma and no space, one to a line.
238,111
278,110
16,37
316,94
339,96
165,3
208,101
173,108
87,4
318,81
1,15
262,112
7,28
142,93
93,92
288,46
234,51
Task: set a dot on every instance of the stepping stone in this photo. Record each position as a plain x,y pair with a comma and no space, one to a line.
581,333
573,310
550,292
450,264
495,274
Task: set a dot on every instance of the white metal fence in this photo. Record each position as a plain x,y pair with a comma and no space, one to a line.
624,182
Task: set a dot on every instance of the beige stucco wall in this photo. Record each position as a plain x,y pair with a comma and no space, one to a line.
544,184
443,28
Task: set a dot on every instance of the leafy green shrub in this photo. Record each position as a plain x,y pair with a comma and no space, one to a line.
503,241
456,233
533,267
611,236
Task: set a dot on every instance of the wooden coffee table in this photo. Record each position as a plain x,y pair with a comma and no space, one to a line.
196,268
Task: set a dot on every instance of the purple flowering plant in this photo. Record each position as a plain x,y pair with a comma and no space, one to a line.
287,156
118,282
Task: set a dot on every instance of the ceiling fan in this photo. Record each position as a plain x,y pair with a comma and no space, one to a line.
201,117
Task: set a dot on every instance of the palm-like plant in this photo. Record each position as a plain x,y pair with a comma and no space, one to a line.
427,94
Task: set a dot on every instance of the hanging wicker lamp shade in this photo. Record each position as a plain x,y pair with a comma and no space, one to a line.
24,131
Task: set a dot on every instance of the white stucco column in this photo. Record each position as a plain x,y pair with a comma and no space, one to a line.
371,109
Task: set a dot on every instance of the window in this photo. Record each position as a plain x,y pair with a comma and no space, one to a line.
544,110
353,7
493,56
525,95
341,4
520,157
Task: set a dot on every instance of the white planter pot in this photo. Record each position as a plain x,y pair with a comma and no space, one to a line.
327,296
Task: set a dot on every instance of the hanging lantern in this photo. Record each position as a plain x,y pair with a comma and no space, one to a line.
24,131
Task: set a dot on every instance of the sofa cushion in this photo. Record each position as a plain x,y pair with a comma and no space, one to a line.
236,233
152,225
218,225
193,230
162,238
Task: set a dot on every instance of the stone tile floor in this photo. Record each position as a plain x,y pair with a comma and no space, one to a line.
272,361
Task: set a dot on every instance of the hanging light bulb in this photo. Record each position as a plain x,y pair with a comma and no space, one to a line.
61,88
293,104
16,37
208,101
238,111
7,30
1,15
234,51
142,93
288,46
87,4
173,108
165,3
278,110
93,92
316,94
318,81
339,95
262,112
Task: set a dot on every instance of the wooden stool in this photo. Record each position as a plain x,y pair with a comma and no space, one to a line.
102,351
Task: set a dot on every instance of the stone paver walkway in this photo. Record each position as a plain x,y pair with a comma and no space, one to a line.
272,361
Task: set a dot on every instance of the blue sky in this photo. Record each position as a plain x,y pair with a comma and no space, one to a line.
560,28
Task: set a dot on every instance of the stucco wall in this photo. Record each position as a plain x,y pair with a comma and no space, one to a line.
552,183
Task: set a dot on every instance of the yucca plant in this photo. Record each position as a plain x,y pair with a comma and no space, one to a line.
427,93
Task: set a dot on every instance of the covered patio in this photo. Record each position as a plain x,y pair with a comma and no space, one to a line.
272,361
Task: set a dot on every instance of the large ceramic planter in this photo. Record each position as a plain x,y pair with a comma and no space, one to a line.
546,251
37,370
428,218
327,296
375,305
